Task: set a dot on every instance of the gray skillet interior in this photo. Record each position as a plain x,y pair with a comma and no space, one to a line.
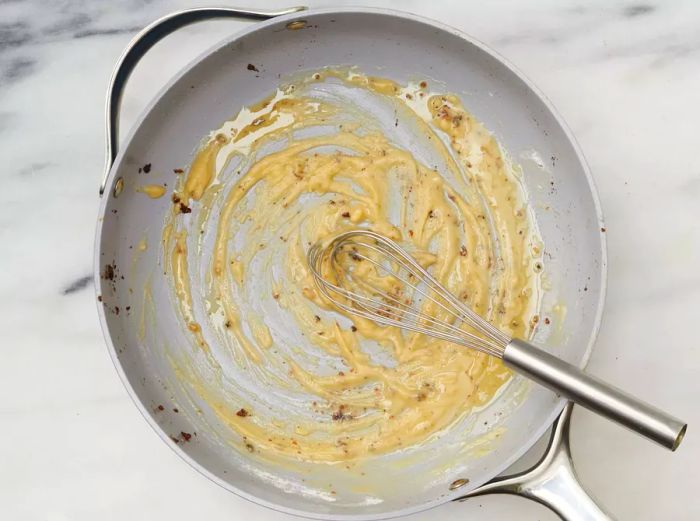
404,48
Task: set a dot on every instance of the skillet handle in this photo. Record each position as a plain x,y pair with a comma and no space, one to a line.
594,394
552,482
146,39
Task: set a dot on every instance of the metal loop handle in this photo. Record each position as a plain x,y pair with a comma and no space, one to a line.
551,482
146,39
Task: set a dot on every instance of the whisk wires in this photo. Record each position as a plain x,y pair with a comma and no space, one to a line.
368,275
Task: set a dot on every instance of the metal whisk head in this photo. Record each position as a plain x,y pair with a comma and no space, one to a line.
368,275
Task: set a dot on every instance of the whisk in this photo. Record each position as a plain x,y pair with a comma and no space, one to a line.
397,290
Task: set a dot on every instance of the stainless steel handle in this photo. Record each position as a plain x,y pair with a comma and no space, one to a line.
146,39
594,394
552,481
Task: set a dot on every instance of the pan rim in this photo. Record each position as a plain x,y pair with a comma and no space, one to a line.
537,433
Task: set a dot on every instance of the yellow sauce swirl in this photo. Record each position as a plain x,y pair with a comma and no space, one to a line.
302,166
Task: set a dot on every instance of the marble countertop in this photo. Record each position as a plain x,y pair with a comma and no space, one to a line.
626,77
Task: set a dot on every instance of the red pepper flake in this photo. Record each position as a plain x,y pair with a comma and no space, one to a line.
184,208
346,214
178,170
146,168
341,373
242,413
423,84
353,328
463,250
410,233
99,298
175,409
185,435
174,439
252,67
546,320
161,408
603,230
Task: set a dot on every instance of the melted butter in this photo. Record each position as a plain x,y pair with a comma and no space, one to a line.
474,233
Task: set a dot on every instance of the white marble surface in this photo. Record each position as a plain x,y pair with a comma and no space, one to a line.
73,447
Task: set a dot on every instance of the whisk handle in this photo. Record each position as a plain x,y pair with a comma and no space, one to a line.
594,394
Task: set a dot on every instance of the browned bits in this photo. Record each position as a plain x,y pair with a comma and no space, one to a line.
423,84
408,96
184,208
178,170
228,324
108,272
146,168
346,214
175,409
410,233
252,67
431,214
340,414
546,320
242,413
161,408
353,328
250,447
317,318
275,295
463,250
603,230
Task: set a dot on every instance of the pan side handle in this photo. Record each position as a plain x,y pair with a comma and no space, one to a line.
146,39
552,481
